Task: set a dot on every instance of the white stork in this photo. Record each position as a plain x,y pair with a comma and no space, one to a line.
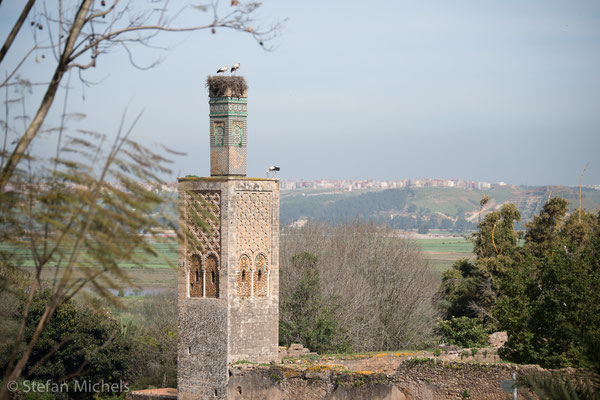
222,70
235,67
273,170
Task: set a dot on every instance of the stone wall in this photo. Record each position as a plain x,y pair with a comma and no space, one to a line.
223,321
422,379
202,348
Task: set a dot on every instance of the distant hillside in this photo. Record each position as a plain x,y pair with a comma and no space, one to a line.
432,208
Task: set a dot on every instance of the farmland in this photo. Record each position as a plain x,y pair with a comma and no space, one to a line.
160,271
443,252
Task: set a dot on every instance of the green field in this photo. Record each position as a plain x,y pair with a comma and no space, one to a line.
157,273
442,253
166,255
445,245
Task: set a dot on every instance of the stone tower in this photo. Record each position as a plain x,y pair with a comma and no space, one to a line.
228,274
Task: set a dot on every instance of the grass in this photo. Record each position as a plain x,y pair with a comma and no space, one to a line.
446,245
442,253
368,354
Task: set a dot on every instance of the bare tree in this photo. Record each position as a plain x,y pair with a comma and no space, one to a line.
383,287
92,206
87,29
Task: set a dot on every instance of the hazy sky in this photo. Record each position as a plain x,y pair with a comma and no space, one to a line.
485,90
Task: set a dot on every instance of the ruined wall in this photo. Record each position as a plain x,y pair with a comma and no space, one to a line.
414,380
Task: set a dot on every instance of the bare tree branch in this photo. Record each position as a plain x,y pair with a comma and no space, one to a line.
48,99
16,28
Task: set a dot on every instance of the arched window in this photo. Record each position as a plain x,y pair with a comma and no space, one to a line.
243,277
260,276
195,276
212,286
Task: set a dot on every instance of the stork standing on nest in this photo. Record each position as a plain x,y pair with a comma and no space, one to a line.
222,70
235,68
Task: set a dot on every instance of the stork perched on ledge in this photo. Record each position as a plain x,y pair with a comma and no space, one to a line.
222,70
235,68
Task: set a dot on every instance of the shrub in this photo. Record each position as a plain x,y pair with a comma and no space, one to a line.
78,342
463,331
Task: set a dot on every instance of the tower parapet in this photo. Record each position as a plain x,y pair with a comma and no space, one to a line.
228,128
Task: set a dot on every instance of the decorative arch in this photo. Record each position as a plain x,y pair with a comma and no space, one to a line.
261,276
196,276
219,133
238,133
211,286
244,277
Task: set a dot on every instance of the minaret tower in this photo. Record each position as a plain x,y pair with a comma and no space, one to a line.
228,274
228,125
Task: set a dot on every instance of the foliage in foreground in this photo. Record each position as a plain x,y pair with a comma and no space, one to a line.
560,386
88,344
544,294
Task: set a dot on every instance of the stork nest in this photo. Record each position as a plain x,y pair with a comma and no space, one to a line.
226,86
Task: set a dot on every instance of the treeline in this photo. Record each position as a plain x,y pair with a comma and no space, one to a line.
392,207
422,223
335,208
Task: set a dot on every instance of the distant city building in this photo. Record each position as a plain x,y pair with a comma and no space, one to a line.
350,185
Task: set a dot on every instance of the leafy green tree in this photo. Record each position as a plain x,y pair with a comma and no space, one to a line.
460,289
542,235
555,290
543,294
461,224
496,234
470,288
304,315
79,343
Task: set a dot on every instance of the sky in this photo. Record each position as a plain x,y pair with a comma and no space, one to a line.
504,90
